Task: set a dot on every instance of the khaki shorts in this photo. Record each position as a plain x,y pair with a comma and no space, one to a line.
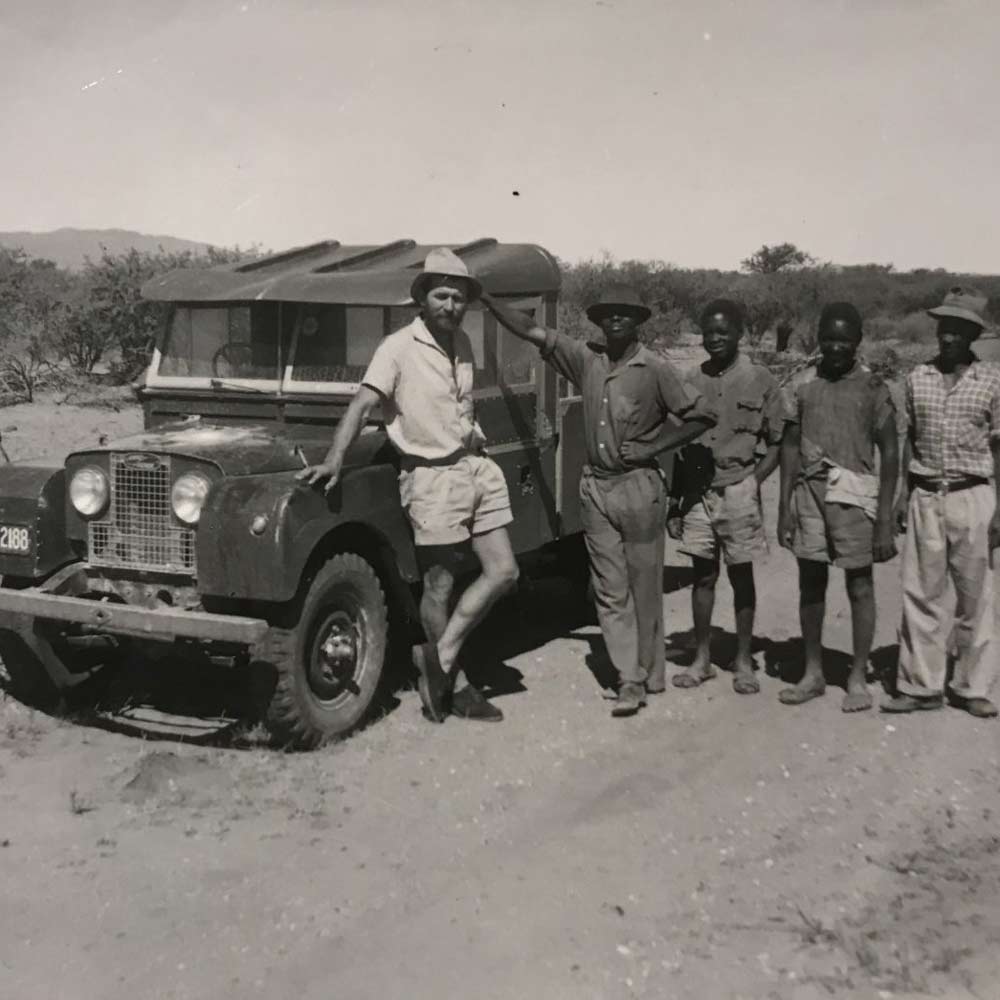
830,532
726,521
448,504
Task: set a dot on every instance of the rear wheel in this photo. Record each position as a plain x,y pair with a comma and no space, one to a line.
329,666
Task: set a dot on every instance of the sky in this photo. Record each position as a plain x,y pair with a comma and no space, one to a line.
688,131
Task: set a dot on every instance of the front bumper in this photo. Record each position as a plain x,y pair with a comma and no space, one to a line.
164,624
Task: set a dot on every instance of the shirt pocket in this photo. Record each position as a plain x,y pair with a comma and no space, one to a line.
748,416
973,429
626,412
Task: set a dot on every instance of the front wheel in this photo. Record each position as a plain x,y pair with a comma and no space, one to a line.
329,666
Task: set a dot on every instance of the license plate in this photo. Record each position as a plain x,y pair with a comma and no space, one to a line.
15,539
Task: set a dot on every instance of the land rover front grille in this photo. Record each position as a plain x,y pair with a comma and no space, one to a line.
139,530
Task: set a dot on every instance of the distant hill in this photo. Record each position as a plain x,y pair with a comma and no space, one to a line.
69,247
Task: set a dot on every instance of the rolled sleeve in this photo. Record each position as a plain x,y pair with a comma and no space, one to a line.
566,355
382,374
884,407
775,408
791,404
681,399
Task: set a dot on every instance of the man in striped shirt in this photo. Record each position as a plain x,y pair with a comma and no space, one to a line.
949,502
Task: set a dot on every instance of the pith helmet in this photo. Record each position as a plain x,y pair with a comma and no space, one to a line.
618,298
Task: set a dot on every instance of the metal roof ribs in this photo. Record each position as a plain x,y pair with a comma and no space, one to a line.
367,257
296,253
486,243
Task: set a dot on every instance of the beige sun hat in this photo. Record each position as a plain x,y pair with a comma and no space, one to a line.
444,263
962,303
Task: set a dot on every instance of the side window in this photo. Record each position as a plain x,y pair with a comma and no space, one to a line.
474,326
566,389
517,359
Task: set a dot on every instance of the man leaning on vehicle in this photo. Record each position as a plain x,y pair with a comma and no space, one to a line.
452,493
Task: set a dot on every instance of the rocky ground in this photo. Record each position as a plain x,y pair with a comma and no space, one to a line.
715,845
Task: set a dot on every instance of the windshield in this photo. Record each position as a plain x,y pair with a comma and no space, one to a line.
234,342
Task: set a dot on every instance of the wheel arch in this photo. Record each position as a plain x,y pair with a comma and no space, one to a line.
375,548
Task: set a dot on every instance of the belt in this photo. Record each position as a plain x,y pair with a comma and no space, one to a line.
941,484
408,462
590,470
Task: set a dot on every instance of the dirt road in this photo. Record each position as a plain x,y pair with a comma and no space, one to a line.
713,846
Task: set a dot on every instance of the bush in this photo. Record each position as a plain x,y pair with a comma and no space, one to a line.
914,328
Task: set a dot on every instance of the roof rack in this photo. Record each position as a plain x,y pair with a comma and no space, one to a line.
296,253
366,256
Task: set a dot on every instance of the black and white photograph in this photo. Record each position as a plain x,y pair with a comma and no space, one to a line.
499,500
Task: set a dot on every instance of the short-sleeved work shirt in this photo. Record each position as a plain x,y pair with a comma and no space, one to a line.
749,409
839,418
426,395
951,429
627,403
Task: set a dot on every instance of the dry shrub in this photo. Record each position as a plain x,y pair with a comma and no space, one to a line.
913,328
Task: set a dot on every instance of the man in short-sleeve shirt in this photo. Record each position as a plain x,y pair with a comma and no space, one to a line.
452,493
715,507
949,505
836,507
629,397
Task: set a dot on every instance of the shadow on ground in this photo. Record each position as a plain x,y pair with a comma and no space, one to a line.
783,658
183,697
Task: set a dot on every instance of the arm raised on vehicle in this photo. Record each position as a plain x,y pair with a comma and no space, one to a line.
519,323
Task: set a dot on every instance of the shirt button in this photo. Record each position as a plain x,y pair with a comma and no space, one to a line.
601,445
604,400
602,423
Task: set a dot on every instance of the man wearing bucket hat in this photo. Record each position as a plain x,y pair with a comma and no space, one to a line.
949,505
629,394
452,493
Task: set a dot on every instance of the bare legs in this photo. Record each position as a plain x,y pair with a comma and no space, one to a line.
499,575
706,575
813,580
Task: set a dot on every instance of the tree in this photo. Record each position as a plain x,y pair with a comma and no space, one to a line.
33,308
771,259
113,318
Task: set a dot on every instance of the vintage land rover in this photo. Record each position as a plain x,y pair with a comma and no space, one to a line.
196,532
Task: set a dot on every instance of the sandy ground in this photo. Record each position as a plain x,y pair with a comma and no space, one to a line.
713,846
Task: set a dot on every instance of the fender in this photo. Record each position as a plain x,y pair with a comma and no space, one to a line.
34,496
256,533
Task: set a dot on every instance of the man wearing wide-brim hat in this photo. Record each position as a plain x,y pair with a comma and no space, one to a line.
452,492
629,397
950,508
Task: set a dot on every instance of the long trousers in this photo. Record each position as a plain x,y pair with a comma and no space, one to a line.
623,522
947,536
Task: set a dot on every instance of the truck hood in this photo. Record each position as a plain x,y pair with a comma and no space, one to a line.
250,449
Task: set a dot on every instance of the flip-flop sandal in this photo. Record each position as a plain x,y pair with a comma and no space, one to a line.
857,702
746,685
689,679
799,696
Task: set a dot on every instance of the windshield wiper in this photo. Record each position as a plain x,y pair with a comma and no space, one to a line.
221,383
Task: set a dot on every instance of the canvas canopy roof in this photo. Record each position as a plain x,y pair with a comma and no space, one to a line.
327,272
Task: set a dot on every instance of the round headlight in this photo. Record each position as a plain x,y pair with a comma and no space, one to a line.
188,495
88,491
